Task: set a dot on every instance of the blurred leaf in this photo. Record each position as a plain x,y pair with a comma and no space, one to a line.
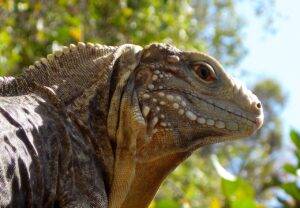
37,6
4,39
221,170
40,36
229,187
167,203
215,203
75,33
295,137
244,203
297,154
290,169
239,188
239,193
152,204
127,12
292,189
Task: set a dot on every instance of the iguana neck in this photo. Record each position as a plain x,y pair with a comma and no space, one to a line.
149,177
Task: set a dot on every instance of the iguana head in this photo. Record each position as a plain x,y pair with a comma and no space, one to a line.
164,103
188,100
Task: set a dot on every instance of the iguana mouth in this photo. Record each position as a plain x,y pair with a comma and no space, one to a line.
207,102
257,120
230,112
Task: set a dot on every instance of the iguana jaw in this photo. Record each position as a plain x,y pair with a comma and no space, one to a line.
187,121
226,116
213,113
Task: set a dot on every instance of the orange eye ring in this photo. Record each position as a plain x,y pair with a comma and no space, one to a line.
204,71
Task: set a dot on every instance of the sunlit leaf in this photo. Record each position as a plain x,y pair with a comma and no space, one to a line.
37,6
243,203
40,36
229,187
75,32
152,204
297,154
292,189
5,39
221,170
167,203
215,203
245,190
295,137
290,169
127,12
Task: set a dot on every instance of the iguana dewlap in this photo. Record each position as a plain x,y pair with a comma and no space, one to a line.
99,126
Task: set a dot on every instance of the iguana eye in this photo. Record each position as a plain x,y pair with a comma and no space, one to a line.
204,71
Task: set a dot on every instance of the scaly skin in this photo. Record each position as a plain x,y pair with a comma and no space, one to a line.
98,126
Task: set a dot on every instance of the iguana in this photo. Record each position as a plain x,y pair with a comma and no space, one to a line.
101,126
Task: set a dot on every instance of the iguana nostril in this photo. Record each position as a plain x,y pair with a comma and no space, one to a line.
258,105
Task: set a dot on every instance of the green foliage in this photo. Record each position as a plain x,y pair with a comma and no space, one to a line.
291,183
232,192
166,203
290,169
292,189
239,194
32,29
295,137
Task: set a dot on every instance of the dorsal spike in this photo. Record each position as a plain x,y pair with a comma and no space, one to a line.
71,69
65,49
31,67
69,72
81,45
44,61
50,57
73,47
58,53
38,64
90,45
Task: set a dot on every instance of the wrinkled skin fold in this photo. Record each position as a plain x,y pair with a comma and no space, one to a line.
100,126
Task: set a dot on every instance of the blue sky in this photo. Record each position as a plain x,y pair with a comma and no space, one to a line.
278,56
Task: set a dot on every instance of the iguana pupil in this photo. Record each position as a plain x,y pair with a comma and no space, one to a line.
204,71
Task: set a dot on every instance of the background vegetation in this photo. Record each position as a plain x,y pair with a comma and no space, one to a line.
30,29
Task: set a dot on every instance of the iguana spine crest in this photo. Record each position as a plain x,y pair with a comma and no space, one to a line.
68,72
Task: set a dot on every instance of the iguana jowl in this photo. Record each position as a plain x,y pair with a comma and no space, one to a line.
99,126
